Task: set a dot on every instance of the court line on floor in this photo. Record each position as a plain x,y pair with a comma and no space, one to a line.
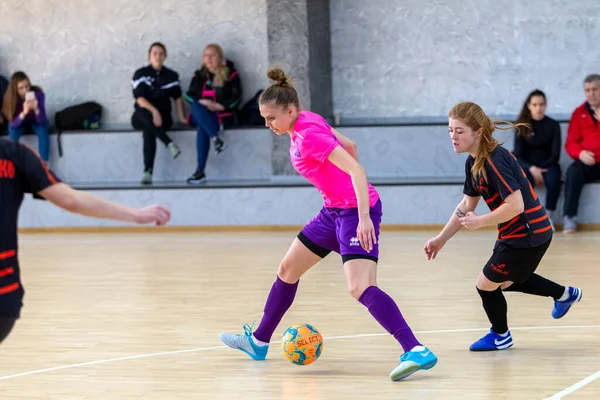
164,353
574,387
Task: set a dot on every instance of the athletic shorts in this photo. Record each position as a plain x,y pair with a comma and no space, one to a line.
334,229
514,264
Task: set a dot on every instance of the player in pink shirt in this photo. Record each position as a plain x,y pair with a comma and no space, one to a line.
348,224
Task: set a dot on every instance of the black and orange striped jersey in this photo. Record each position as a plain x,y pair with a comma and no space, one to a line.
505,176
21,171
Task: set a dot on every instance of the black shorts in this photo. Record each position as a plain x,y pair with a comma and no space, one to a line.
514,264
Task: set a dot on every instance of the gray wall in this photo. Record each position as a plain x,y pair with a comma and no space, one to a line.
407,58
79,50
392,58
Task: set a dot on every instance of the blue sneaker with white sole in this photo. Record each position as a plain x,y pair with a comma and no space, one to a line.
562,307
493,341
411,362
245,343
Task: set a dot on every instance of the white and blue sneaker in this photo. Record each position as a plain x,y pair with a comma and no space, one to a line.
493,341
410,362
562,307
246,343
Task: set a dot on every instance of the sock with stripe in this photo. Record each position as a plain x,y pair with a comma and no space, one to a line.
539,286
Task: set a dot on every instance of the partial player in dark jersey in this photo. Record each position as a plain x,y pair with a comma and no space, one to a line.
22,171
524,232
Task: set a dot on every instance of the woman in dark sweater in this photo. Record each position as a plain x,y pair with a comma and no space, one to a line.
154,87
538,149
214,96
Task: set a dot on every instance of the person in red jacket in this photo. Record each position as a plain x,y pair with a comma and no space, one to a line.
583,145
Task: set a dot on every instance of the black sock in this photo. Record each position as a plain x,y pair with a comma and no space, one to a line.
495,307
539,286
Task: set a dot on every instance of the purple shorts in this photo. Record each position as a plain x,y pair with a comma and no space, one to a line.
334,229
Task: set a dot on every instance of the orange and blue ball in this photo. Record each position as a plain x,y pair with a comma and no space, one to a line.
302,344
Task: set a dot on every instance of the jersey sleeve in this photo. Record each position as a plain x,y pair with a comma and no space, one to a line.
139,85
319,143
34,171
175,90
469,190
502,175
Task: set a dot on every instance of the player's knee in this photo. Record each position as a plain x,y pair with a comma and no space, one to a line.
286,272
483,283
356,289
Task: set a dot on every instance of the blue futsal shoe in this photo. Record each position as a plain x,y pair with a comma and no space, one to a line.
411,362
493,341
562,307
245,343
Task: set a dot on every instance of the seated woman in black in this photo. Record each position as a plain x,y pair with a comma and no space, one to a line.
538,150
153,88
214,95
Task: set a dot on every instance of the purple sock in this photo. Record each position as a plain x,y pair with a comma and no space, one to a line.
383,308
280,299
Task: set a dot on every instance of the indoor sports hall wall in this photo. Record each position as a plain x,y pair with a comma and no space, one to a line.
390,59
81,50
409,58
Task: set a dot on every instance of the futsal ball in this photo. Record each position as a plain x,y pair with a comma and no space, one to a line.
302,344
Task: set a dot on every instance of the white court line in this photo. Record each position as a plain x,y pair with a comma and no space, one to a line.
39,371
164,353
576,386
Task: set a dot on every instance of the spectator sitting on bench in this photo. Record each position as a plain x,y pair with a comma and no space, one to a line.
538,149
153,88
24,108
214,95
583,145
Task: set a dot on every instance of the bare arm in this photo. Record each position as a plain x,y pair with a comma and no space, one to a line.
142,102
348,144
468,204
179,108
465,207
344,161
79,202
513,206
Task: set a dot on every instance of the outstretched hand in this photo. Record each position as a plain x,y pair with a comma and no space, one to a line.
433,247
157,214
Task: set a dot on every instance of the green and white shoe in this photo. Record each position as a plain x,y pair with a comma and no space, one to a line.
174,149
147,179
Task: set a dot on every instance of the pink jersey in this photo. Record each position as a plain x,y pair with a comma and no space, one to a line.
311,144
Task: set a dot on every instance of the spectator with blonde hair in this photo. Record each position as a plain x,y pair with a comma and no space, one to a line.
214,94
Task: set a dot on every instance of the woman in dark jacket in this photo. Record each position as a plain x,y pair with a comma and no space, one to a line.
154,87
538,149
214,95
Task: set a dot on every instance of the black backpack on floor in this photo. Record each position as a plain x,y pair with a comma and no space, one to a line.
83,116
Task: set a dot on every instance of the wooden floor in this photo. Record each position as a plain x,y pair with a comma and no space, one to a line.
136,316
